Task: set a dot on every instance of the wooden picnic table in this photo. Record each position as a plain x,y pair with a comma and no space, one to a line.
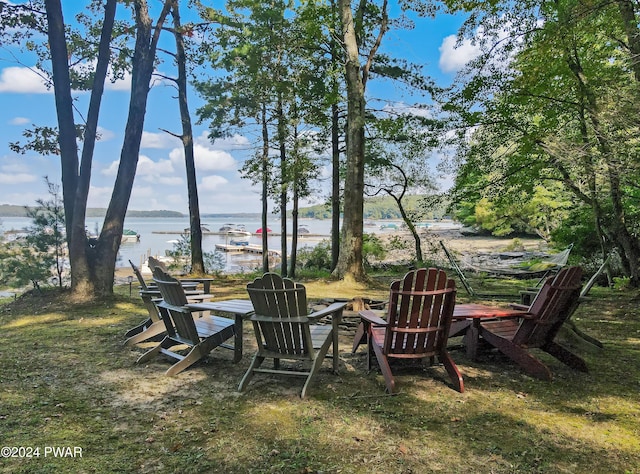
467,318
240,309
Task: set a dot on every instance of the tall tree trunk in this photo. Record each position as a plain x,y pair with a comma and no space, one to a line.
295,178
630,21
335,186
283,186
197,260
335,150
265,189
104,258
76,180
64,106
350,262
627,244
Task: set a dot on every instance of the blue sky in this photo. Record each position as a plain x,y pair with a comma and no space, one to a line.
160,181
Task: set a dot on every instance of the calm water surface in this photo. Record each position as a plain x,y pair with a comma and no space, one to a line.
158,234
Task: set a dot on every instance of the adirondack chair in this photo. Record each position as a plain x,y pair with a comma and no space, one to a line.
285,331
200,335
153,327
417,326
555,302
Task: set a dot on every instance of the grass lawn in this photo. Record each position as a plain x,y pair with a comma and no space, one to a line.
67,381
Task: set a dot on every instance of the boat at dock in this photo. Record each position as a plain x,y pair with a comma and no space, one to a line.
130,236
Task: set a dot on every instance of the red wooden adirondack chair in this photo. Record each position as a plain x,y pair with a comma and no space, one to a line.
556,301
417,325
285,331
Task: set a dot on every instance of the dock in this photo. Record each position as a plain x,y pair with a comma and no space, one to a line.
254,234
254,249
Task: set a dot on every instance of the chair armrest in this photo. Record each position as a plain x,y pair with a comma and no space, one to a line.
372,318
151,293
331,309
181,309
191,298
271,319
523,307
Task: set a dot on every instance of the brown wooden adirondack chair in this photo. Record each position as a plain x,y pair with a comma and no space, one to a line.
153,327
555,302
285,330
417,325
200,335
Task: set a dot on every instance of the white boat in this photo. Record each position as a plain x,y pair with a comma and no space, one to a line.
130,236
239,231
238,237
227,227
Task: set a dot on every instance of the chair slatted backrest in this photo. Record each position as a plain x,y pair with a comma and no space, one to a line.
420,311
181,325
280,319
155,263
551,308
136,271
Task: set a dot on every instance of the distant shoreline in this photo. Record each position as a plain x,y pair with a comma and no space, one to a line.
10,210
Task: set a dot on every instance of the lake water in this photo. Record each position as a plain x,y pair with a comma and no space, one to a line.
157,235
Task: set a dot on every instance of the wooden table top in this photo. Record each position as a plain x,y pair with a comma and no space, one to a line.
243,307
480,311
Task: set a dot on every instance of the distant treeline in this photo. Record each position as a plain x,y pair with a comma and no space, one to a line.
7,210
381,208
374,208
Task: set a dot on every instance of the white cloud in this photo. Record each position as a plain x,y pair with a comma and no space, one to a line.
212,183
170,180
454,57
403,108
146,168
17,178
99,196
105,134
207,159
23,80
234,142
123,84
19,121
160,140
112,169
15,167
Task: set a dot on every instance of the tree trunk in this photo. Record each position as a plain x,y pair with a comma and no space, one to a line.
628,14
197,260
296,202
294,224
265,189
64,106
283,186
335,187
106,251
76,186
336,50
350,262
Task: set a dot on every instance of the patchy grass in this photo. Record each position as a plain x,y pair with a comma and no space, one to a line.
67,381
